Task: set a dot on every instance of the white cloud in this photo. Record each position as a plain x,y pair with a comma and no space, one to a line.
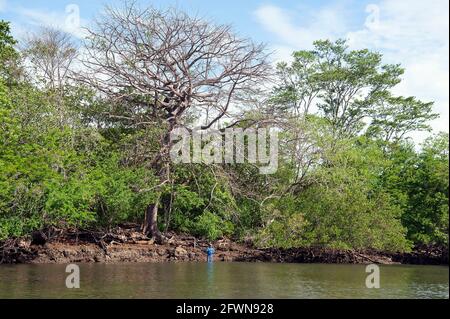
411,32
26,20
68,21
325,22
414,33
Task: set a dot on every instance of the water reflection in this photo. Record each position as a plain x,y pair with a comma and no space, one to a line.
210,275
222,280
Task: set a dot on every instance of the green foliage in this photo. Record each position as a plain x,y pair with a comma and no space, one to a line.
350,215
212,226
64,178
349,87
287,227
343,208
202,203
81,192
420,182
65,161
398,116
8,55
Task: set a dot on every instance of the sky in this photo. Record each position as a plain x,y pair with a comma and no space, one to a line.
414,33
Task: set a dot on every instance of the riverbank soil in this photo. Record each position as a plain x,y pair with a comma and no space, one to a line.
128,244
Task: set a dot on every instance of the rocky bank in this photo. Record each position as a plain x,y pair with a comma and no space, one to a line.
128,245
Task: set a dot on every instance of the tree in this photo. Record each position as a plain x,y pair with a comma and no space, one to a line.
342,207
418,182
9,66
346,89
344,86
427,187
95,154
299,85
51,54
398,116
163,64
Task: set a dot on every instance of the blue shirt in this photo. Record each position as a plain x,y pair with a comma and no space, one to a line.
210,251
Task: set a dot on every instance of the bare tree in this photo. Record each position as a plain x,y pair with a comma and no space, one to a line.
165,64
49,57
50,54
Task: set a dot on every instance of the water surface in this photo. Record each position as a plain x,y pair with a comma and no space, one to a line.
223,280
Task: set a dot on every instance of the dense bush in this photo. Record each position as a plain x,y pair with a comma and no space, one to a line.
343,208
419,181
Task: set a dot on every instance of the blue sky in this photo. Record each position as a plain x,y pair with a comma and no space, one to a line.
411,32
240,13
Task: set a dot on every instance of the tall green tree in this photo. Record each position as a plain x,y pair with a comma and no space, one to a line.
350,89
395,117
9,69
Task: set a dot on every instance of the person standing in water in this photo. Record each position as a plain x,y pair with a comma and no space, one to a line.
210,253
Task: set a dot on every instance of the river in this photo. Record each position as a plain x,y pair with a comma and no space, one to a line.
223,280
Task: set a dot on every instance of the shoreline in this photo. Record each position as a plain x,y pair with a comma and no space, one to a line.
130,246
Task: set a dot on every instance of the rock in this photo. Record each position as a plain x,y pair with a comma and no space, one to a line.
138,236
144,242
38,238
161,252
154,254
226,258
122,238
192,256
180,252
223,245
171,241
25,244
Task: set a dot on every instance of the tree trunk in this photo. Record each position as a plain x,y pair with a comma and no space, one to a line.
151,222
162,164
